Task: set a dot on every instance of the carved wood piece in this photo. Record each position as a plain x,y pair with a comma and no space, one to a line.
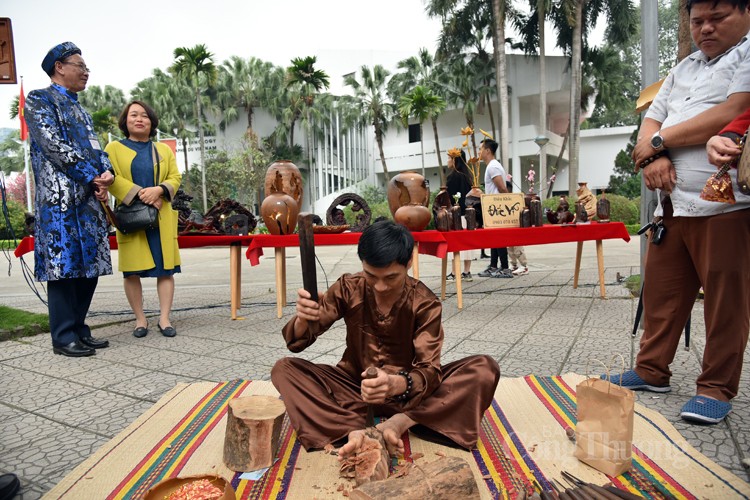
445,478
335,215
370,462
254,424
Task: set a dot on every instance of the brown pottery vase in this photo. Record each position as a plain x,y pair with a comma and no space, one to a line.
471,218
291,180
474,200
456,223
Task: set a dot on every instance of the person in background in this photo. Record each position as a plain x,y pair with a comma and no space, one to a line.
71,247
705,243
459,183
494,182
147,170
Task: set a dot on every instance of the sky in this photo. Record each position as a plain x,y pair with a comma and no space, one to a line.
122,43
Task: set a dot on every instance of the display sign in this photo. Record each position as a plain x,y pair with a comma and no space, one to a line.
502,209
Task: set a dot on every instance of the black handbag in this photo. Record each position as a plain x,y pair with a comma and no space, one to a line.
138,216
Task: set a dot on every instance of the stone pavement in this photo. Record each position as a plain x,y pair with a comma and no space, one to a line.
56,411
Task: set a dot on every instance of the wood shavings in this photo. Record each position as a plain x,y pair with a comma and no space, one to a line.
440,454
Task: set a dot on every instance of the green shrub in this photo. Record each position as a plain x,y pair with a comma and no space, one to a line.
17,214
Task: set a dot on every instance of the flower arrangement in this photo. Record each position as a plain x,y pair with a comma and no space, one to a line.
531,177
473,162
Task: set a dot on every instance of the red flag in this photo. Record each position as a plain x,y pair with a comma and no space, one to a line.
21,104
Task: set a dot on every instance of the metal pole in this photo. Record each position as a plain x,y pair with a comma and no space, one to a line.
27,172
649,75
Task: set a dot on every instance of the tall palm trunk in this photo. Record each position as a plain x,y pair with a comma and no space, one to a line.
379,140
203,151
250,112
437,151
575,99
184,153
492,115
498,10
421,147
542,96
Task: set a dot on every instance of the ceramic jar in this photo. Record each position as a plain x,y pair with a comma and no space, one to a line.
536,212
284,176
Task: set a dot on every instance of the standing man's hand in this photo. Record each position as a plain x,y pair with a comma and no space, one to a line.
101,185
660,174
721,150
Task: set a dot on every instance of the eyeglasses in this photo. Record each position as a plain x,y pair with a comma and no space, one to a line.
81,66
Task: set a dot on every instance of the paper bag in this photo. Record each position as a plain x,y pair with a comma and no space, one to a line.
604,432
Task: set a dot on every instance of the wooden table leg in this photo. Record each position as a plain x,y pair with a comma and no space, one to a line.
415,260
279,257
579,249
600,262
457,274
235,277
283,277
443,270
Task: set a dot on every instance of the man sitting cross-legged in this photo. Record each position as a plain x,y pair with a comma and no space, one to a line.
393,323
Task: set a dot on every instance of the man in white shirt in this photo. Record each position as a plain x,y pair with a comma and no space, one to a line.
494,182
705,243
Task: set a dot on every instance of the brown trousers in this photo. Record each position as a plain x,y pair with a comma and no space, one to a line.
713,252
324,403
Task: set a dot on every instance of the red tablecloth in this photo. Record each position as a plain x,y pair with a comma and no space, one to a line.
191,241
430,243
523,236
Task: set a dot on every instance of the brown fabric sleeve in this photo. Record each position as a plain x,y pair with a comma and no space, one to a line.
330,312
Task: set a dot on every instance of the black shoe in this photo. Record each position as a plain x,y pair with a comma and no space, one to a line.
140,332
167,331
9,486
74,350
94,342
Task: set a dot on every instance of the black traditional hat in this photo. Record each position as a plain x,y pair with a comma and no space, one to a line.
58,53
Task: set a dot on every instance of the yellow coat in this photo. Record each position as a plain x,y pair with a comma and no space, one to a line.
134,253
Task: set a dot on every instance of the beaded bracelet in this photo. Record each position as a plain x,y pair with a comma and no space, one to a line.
653,158
409,383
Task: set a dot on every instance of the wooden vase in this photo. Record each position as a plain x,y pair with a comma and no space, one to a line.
414,217
471,218
442,220
284,176
279,212
407,189
602,209
474,200
456,223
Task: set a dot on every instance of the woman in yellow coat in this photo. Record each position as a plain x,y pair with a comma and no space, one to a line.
150,253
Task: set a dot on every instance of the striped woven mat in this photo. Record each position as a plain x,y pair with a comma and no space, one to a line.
522,439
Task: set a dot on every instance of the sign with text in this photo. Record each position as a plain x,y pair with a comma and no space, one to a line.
502,209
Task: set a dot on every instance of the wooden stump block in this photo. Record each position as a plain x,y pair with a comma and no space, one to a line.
253,429
447,478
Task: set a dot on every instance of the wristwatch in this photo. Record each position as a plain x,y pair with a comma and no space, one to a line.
657,141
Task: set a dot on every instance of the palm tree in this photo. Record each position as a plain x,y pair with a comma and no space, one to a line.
104,105
423,70
302,77
422,104
172,99
373,103
463,89
573,20
196,66
243,85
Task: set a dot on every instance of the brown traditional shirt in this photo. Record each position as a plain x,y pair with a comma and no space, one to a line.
409,337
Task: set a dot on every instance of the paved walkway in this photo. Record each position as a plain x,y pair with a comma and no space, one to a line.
56,411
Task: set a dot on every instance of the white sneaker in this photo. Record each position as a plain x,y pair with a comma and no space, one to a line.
521,271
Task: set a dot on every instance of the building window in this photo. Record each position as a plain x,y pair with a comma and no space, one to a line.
414,135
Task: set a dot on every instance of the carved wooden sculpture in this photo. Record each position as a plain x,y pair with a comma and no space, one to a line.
335,214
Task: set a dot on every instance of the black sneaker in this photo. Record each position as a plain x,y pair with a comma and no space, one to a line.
467,277
450,277
502,273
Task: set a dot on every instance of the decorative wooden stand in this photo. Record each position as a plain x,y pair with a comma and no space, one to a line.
253,429
445,478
